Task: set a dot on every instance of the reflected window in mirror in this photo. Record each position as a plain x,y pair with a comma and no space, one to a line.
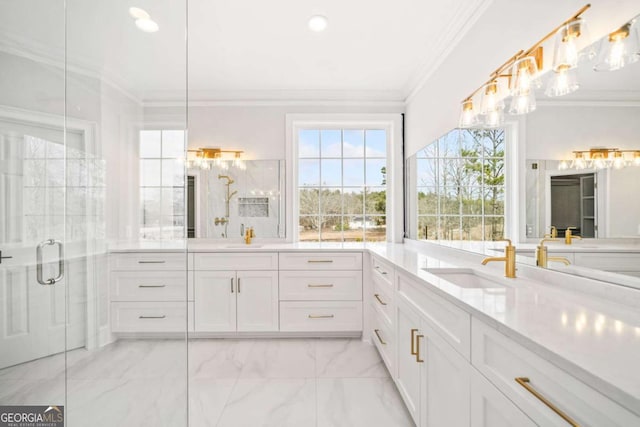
162,198
460,186
342,184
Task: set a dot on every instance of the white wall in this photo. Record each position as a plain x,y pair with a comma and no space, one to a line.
258,130
505,27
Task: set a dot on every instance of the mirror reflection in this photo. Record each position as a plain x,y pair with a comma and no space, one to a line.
230,197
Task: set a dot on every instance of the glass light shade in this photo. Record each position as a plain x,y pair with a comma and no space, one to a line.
523,104
618,161
564,165
562,82
492,98
572,44
579,162
494,119
468,115
599,161
620,48
524,76
636,158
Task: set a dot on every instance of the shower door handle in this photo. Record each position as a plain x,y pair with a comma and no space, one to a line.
60,275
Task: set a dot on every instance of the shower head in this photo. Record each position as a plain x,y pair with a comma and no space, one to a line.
227,177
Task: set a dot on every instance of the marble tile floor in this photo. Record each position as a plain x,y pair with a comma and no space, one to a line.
232,383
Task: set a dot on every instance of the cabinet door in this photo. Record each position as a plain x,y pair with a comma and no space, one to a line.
215,301
491,408
257,301
409,368
447,384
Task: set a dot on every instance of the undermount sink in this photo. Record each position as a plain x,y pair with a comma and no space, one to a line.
243,246
464,278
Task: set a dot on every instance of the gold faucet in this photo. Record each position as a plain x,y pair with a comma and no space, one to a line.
248,235
554,233
542,258
568,237
509,259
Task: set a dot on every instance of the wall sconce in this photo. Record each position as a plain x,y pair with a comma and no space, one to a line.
601,158
204,158
622,47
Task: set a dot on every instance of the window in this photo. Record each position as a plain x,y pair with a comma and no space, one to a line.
460,186
162,198
342,184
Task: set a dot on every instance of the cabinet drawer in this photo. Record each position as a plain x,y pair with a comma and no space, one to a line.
382,271
236,261
320,316
321,285
148,261
502,360
453,323
151,285
384,339
151,316
383,302
320,261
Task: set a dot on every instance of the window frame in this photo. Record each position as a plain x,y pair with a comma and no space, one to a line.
391,123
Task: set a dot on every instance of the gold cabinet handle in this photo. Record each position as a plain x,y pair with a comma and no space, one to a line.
525,382
418,348
152,317
312,285
377,331
322,316
379,300
413,341
319,260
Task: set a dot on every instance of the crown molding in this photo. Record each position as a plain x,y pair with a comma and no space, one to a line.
464,18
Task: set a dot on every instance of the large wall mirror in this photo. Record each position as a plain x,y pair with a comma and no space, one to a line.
227,197
574,162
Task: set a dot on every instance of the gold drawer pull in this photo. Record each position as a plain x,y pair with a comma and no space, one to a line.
379,300
151,286
377,331
151,262
525,382
319,260
413,341
152,317
418,348
321,316
312,285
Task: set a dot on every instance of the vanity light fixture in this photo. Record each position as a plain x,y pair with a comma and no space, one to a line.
601,158
204,158
622,47
523,69
572,44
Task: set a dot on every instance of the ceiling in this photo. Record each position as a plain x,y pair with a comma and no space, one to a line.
245,49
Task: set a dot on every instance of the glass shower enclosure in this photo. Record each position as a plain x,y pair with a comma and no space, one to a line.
76,81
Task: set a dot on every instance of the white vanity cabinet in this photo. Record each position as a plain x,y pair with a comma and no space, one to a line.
321,292
235,300
383,311
433,377
148,291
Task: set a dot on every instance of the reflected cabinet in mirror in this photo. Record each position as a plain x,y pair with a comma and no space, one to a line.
231,197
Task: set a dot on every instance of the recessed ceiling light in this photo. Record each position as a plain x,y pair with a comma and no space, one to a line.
147,25
138,13
318,23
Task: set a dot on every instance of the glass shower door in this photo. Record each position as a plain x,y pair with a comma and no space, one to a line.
34,309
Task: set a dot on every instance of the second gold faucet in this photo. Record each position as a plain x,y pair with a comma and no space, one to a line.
509,259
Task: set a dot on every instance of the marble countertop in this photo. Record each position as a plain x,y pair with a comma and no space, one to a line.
590,329
595,340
